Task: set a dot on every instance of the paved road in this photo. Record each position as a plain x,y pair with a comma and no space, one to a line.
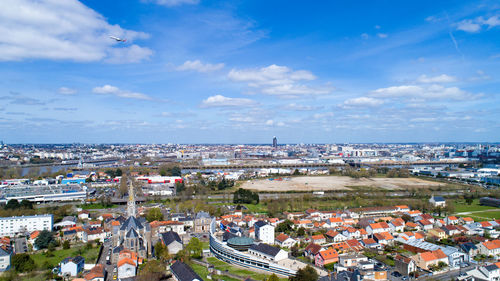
450,275
109,267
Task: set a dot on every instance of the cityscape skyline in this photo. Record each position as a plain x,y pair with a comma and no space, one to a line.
215,73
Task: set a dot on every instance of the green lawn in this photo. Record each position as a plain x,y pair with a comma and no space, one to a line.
244,273
486,215
461,206
205,245
96,206
42,261
203,272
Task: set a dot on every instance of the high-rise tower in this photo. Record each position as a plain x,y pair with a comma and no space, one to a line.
131,201
275,142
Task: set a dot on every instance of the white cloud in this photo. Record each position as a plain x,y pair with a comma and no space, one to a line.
324,115
443,78
301,107
62,30
199,66
171,3
222,101
278,80
475,25
66,91
115,91
382,35
271,122
423,119
429,92
365,36
377,26
363,101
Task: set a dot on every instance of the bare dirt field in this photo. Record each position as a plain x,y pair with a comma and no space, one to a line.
335,183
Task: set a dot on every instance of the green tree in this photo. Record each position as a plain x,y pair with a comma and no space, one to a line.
12,204
273,277
194,248
469,200
307,273
154,214
151,270
245,196
301,232
23,263
44,239
66,244
161,251
285,226
26,204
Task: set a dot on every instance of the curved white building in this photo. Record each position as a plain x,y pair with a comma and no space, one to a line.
225,253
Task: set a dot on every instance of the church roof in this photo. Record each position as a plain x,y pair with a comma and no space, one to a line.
169,237
132,222
132,233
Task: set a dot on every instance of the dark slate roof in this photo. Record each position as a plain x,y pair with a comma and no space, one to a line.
491,267
202,215
117,249
169,237
265,249
69,232
183,272
76,260
438,199
260,224
69,218
132,233
3,252
227,235
132,222
468,246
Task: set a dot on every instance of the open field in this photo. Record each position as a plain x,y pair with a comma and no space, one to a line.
486,215
462,207
336,183
41,260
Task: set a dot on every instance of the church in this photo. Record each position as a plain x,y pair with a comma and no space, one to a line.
133,234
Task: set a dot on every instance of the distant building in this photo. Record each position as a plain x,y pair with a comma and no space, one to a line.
264,232
202,222
12,226
275,142
437,201
488,201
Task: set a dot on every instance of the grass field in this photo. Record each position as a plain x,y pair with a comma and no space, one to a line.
485,215
42,261
461,206
220,265
203,273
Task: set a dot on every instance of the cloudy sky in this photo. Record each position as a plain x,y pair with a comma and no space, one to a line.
198,71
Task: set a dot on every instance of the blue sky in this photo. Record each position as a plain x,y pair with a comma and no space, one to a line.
196,71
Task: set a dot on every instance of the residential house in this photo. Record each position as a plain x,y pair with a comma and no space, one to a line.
470,249
351,233
378,227
318,239
312,249
335,236
284,240
84,215
404,265
425,259
489,248
425,224
438,233
384,238
397,225
202,222
5,258
334,222
72,266
94,234
371,243
173,242
326,257
127,268
451,220
97,273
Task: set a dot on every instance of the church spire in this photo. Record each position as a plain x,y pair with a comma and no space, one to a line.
131,201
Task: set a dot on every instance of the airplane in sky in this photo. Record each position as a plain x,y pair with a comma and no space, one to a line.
118,39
